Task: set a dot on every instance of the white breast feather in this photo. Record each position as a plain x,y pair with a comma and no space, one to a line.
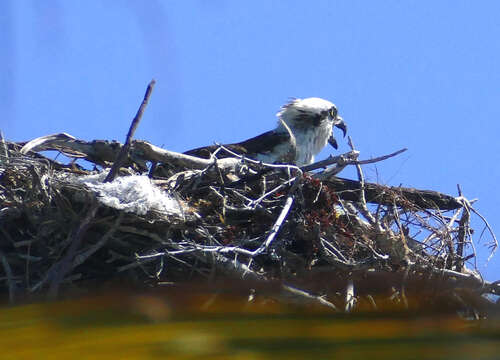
311,142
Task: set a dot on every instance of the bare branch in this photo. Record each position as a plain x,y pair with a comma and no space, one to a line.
380,158
361,178
306,295
126,147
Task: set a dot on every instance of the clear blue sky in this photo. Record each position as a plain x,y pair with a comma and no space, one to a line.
418,74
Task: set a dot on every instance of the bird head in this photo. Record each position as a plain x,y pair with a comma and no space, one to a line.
308,113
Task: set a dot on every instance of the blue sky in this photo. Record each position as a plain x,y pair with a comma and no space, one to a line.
417,74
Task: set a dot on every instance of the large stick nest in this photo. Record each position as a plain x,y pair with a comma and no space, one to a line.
153,217
314,233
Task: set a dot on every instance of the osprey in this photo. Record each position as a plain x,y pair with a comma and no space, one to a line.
311,123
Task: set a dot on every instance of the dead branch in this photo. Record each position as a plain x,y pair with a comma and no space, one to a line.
123,154
339,160
388,195
304,295
361,178
381,158
350,158
149,152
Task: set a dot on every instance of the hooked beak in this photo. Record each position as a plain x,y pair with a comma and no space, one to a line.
341,125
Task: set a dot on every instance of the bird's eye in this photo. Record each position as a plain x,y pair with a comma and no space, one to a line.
333,112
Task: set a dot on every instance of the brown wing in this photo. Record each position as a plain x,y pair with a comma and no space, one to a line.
260,144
